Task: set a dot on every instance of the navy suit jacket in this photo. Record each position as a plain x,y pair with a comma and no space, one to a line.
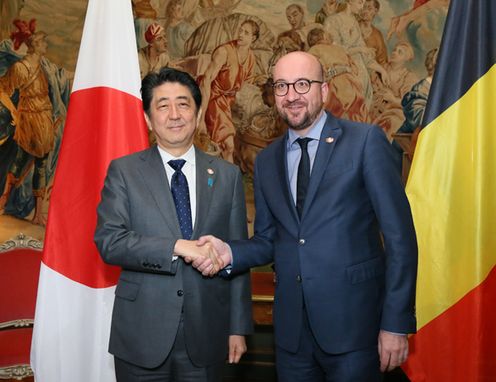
352,258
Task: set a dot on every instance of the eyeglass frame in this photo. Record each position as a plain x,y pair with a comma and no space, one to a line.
310,82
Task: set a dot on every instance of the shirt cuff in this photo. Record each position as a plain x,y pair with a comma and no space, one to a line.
396,334
228,267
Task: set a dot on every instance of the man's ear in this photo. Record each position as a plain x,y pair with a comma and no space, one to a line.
324,89
147,120
198,116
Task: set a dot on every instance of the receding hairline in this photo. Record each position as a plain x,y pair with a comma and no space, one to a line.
304,55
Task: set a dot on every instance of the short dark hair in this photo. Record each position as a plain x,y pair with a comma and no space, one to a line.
430,61
164,75
293,37
254,27
377,5
315,36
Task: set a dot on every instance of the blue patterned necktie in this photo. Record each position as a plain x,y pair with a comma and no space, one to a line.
180,193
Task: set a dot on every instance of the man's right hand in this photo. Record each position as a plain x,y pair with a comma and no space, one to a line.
205,265
204,253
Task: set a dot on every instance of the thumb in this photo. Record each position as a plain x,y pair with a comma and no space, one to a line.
232,354
203,240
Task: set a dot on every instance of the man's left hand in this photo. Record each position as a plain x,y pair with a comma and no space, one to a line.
393,350
237,347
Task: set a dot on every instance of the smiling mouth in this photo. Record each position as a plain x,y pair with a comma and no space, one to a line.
295,105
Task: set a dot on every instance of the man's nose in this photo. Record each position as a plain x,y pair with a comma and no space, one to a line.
174,112
292,94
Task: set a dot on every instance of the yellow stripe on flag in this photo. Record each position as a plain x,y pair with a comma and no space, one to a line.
452,192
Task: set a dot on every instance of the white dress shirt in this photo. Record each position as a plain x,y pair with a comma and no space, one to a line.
189,170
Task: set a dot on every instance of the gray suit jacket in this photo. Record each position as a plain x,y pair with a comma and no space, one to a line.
137,230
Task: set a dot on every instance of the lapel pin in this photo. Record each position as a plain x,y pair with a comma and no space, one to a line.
210,181
329,139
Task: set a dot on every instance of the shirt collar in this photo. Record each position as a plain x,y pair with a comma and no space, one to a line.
189,156
313,133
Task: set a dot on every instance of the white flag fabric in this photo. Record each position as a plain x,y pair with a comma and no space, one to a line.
104,121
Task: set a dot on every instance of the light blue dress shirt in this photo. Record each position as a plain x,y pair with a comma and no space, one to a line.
293,151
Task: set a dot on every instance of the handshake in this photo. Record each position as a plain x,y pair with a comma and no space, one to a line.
208,254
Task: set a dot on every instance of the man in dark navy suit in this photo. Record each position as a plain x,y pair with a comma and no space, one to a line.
332,214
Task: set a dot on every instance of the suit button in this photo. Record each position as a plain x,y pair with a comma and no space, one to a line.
298,278
301,241
180,292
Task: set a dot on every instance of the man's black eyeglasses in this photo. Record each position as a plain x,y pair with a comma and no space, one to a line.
301,86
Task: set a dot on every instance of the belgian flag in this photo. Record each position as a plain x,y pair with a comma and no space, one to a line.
452,191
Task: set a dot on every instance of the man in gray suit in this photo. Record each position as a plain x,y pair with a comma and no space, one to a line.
169,322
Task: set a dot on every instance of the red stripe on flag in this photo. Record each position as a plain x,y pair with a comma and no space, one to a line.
458,345
102,124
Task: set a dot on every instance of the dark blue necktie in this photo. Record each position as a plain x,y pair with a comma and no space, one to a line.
303,176
180,193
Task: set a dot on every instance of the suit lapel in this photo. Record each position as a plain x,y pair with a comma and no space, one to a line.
328,139
206,177
282,172
155,178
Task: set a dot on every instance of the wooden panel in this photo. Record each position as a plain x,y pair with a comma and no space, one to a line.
262,285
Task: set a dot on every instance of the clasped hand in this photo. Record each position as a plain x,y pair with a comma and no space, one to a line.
208,255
